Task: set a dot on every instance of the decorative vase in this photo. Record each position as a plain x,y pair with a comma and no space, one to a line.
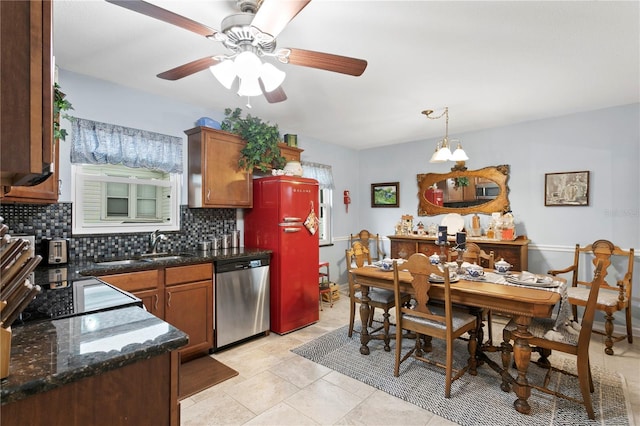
293,168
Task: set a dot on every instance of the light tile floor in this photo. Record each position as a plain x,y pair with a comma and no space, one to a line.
278,387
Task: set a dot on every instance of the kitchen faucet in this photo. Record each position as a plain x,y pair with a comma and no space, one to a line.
154,239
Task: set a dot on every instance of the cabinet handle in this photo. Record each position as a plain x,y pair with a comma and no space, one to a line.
290,230
156,303
208,194
169,300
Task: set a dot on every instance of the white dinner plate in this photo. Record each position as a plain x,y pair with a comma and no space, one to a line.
454,223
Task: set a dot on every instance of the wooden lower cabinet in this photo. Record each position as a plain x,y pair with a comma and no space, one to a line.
188,309
515,252
146,285
181,296
142,393
189,306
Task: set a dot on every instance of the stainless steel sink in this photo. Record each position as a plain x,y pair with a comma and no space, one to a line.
162,257
158,258
119,262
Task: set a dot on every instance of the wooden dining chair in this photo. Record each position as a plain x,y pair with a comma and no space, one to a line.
568,343
358,256
371,242
474,254
613,297
427,320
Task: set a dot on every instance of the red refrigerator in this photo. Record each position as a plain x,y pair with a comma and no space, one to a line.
284,220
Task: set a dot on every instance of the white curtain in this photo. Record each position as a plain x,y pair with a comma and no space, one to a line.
320,172
93,142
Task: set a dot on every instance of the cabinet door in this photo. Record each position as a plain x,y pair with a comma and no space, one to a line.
26,104
224,184
189,307
153,301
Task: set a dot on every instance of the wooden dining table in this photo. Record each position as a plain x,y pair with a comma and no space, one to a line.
520,302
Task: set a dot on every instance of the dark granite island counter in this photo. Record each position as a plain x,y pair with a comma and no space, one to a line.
109,368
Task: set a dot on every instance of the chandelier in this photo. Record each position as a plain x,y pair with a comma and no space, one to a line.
443,148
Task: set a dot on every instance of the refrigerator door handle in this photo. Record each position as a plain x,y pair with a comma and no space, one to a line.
292,229
292,219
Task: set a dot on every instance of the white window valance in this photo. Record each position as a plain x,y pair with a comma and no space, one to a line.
94,142
320,172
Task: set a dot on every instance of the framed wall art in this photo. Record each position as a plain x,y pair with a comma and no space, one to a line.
566,189
385,194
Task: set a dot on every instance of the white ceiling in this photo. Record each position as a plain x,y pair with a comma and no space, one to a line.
492,63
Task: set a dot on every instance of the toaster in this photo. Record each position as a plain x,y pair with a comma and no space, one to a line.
55,251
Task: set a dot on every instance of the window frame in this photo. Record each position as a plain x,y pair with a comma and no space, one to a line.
325,216
116,225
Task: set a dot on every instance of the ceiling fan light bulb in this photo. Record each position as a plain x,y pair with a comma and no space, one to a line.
272,77
224,72
247,65
249,87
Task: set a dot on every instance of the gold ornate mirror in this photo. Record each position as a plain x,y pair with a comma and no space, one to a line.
464,191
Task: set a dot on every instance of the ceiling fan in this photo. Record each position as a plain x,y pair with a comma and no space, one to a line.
250,35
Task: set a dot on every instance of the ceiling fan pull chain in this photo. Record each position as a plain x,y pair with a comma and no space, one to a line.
249,102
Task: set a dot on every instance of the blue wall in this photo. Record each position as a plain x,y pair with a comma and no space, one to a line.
605,142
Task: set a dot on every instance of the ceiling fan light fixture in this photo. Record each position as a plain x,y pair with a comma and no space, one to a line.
247,65
224,72
271,76
249,87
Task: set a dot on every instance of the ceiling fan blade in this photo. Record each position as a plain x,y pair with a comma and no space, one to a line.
275,96
274,15
189,68
327,61
164,15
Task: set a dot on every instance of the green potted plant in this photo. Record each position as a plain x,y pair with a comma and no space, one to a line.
60,104
261,151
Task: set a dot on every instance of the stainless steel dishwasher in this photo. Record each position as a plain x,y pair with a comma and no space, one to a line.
241,299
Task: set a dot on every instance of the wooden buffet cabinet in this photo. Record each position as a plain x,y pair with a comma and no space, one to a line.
515,252
179,295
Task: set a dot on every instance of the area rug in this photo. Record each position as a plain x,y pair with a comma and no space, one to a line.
200,374
475,400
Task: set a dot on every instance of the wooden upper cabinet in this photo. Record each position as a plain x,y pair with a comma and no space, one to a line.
44,193
26,104
215,179
290,153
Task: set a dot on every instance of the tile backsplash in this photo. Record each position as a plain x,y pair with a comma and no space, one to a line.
54,221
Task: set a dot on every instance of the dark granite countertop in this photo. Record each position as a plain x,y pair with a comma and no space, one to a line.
96,267
49,354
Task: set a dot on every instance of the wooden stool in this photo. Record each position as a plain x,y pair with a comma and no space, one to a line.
325,283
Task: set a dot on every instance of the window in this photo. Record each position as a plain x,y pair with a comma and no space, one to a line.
322,173
116,199
326,195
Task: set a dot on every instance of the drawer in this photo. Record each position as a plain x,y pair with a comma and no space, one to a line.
186,274
134,281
